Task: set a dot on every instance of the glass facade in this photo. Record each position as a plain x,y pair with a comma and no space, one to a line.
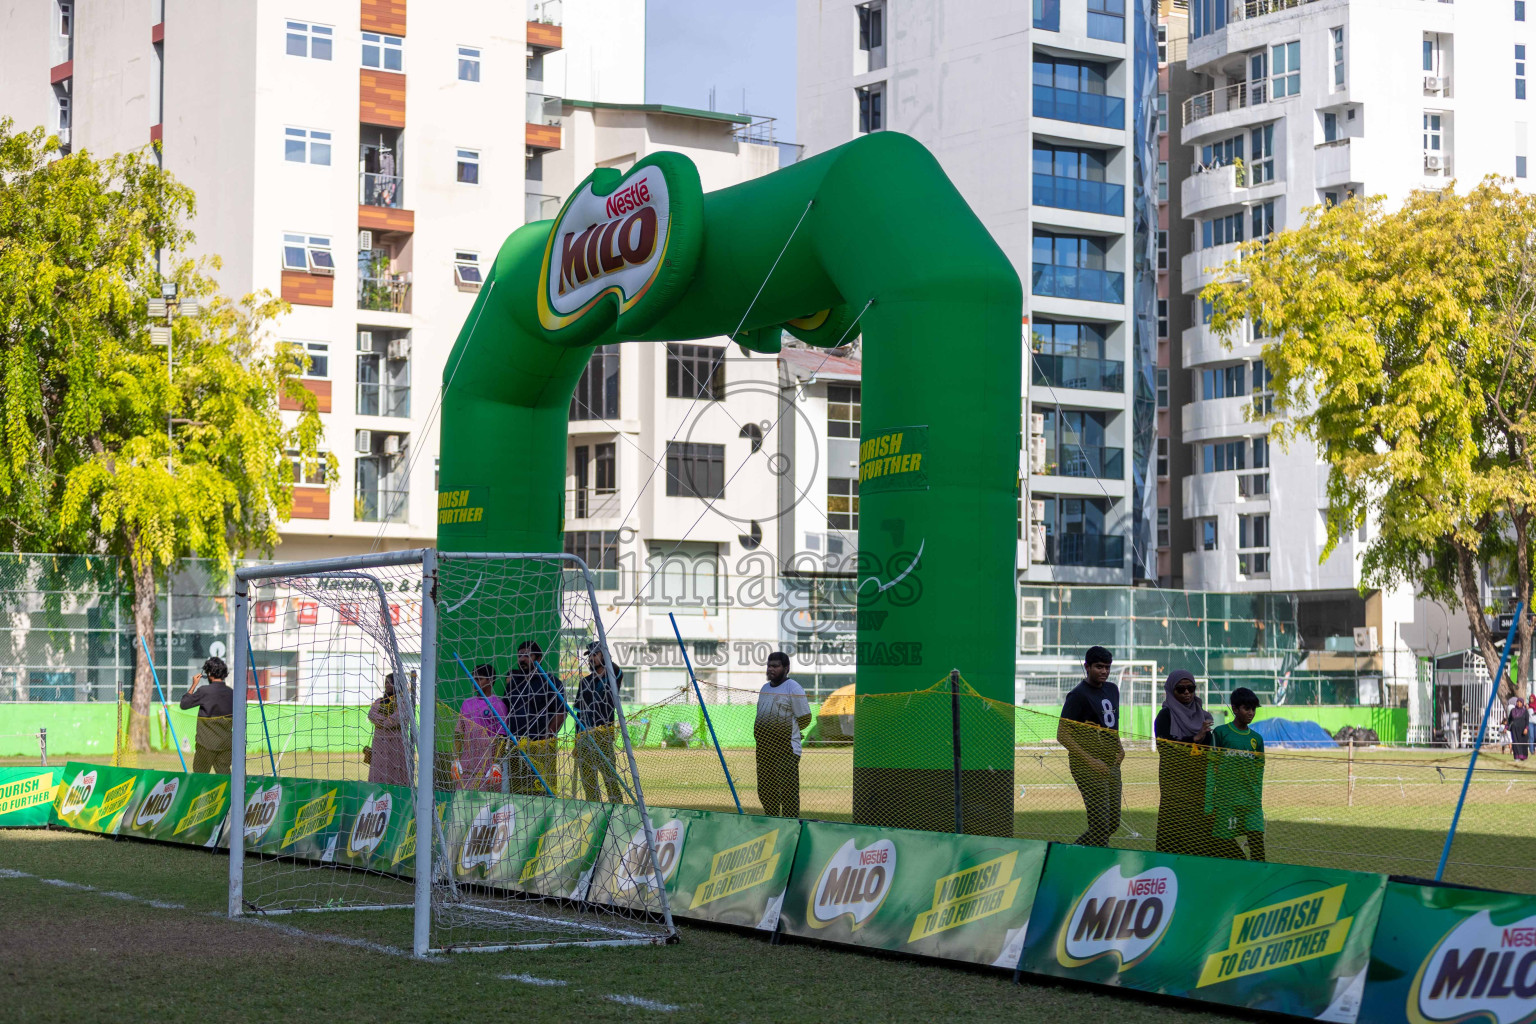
1143,361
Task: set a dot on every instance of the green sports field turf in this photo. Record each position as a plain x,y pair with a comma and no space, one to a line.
71,954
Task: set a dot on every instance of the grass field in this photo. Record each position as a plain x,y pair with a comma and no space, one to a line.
147,942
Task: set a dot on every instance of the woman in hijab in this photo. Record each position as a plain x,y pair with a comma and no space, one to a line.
1183,731
1519,722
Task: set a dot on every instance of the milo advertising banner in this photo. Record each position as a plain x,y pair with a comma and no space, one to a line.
1447,955
295,817
954,896
176,808
568,837
92,797
732,868
1273,937
376,823
26,796
625,874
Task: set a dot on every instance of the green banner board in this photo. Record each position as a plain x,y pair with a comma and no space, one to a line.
26,795
1293,940
93,797
1444,954
953,896
624,874
176,808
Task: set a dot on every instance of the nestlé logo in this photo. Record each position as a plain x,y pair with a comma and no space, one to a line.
637,867
854,882
485,842
157,804
369,828
1478,969
261,812
1120,917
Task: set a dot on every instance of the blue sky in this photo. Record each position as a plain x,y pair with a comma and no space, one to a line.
691,45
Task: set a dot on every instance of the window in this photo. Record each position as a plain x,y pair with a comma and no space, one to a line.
1221,230
1206,16
1075,90
1263,397
1162,456
872,27
600,550
1330,126
1433,133
307,471
319,353
842,503
1048,15
1162,49
1219,154
1162,528
695,470
306,146
1223,382
469,166
1285,70
1263,220
308,40
695,371
383,52
1261,453
1162,250
843,410
63,99
1338,57
871,107
1085,341
1106,20
66,18
1222,457
1519,71
1162,315
469,64
1519,10
466,270
1070,178
383,373
1261,168
1519,166
1162,111
1162,387
1253,532
597,391
596,472
1253,563
1205,529
308,254
1162,181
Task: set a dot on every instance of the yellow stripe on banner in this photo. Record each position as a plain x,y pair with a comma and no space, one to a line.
1258,957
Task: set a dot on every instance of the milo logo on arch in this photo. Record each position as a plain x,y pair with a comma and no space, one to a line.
157,803
854,883
370,825
1479,969
78,794
1121,917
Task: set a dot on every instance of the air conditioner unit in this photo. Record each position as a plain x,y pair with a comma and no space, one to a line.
1031,639
1037,423
1036,543
391,444
1031,609
364,240
1037,511
365,342
1433,83
1434,162
1037,454
363,442
1365,639
399,348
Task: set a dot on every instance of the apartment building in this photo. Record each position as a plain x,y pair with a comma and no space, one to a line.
1299,103
1079,227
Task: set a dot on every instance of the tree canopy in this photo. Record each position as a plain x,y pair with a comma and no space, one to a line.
105,449
1403,347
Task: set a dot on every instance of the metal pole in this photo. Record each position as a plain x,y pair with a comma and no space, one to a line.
1349,800
705,708
426,756
1482,731
165,708
236,817
42,743
954,715
261,704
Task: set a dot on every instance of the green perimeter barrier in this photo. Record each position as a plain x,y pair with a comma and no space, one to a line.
1308,942
26,795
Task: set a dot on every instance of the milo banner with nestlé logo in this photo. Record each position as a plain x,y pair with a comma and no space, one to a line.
176,808
954,896
1444,955
520,843
26,796
1275,937
92,797
729,868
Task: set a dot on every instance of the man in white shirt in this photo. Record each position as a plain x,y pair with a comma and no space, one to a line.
782,712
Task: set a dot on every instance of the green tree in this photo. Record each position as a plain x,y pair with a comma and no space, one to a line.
1405,349
103,449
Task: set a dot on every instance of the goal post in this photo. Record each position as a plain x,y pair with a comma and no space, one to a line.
440,738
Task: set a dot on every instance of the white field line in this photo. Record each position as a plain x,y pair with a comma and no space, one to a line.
644,1004
528,979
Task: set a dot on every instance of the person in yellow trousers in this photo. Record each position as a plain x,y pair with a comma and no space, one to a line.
215,705
595,738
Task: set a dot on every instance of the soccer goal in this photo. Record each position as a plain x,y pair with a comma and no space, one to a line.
438,738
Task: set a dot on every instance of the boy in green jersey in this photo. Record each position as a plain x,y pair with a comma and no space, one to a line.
1234,783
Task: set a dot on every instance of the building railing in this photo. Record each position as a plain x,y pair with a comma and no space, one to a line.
383,399
1079,194
543,109
1090,460
381,190
759,131
1089,550
1242,10
1079,107
1077,283
1219,101
547,12
381,506
379,290
592,503
539,207
1078,373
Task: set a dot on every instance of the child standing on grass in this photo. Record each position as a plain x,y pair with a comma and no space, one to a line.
1234,783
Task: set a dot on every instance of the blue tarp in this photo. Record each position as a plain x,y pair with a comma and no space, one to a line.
1282,732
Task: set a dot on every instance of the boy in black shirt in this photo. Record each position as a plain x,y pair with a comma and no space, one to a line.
1090,731
215,705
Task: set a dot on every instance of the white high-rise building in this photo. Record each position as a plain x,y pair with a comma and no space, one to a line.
1058,165
1307,103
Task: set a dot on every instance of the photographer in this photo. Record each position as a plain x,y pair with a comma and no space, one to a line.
215,705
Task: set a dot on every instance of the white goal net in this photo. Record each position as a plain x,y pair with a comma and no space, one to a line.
438,738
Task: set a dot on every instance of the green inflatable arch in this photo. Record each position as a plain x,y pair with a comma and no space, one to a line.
879,239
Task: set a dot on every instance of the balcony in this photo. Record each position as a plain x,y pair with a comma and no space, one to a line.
1204,345
1079,194
1203,266
1208,188
1079,107
381,506
1079,373
387,190
1089,550
592,503
1220,417
378,289
1332,163
1204,494
1077,283
544,117
1219,110
544,26
1088,461
539,207
383,399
